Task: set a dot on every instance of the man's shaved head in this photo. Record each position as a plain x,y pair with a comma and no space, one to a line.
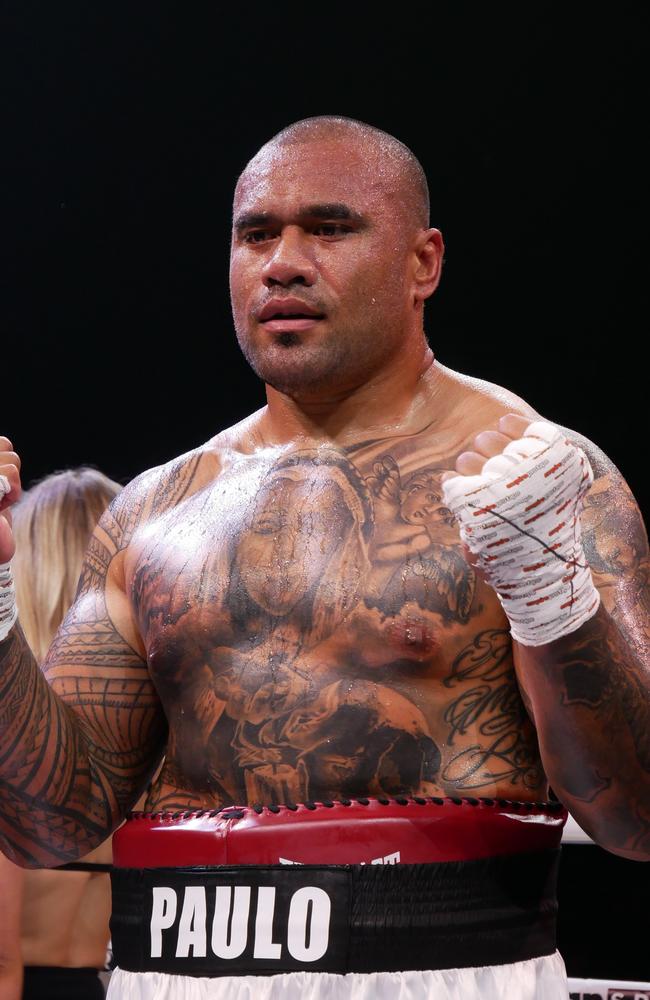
400,168
332,257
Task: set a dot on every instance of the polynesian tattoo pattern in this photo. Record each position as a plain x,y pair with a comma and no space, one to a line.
70,763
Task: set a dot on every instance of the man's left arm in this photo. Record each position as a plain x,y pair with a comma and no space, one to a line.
589,691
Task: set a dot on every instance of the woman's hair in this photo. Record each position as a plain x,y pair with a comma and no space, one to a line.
52,525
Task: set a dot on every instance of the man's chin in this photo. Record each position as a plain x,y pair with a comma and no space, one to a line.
299,386
293,375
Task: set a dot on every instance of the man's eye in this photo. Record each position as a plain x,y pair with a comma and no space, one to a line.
330,229
257,236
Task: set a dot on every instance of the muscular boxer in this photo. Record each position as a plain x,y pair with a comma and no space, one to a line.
346,602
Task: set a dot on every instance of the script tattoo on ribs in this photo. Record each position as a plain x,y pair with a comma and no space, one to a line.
490,707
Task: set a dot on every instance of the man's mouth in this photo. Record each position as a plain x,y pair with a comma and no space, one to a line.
288,316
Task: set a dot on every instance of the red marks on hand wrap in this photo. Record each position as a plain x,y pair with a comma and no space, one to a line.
557,593
484,510
517,481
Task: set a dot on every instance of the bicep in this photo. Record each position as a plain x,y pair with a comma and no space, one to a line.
616,546
97,666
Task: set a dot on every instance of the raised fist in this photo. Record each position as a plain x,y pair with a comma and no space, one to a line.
10,491
517,498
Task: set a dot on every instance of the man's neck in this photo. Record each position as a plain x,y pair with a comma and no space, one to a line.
398,400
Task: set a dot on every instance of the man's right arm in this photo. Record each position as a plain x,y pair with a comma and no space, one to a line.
77,749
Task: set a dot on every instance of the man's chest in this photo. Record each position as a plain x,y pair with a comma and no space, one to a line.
312,618
313,553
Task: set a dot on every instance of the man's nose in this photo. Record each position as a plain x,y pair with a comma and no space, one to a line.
290,262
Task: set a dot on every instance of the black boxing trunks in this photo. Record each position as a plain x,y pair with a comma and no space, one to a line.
363,886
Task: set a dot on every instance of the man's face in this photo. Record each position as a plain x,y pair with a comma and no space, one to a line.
320,266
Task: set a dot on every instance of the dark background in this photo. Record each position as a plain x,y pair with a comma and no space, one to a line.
126,130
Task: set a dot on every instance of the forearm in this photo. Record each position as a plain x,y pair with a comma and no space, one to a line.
589,695
54,804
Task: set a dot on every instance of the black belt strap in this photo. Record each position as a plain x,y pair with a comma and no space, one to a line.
84,866
259,920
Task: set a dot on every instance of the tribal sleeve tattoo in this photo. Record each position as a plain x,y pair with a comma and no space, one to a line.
590,691
77,748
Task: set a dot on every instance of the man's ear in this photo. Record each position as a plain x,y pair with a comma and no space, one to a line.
429,251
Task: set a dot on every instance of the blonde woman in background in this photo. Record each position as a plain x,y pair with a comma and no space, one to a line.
54,923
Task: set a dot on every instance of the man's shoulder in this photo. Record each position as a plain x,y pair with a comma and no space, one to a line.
165,481
155,491
164,486
483,403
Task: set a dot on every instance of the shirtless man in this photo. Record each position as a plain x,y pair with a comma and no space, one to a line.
289,611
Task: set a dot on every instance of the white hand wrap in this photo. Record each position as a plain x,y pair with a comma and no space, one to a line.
8,610
521,518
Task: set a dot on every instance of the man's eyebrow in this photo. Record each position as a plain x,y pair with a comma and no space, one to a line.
326,210
249,220
330,210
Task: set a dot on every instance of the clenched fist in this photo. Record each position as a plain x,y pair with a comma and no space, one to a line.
10,491
517,497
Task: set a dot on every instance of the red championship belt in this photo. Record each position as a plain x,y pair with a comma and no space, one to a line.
348,832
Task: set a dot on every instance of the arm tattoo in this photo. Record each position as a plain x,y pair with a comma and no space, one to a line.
78,747
591,698
597,675
593,713
616,545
